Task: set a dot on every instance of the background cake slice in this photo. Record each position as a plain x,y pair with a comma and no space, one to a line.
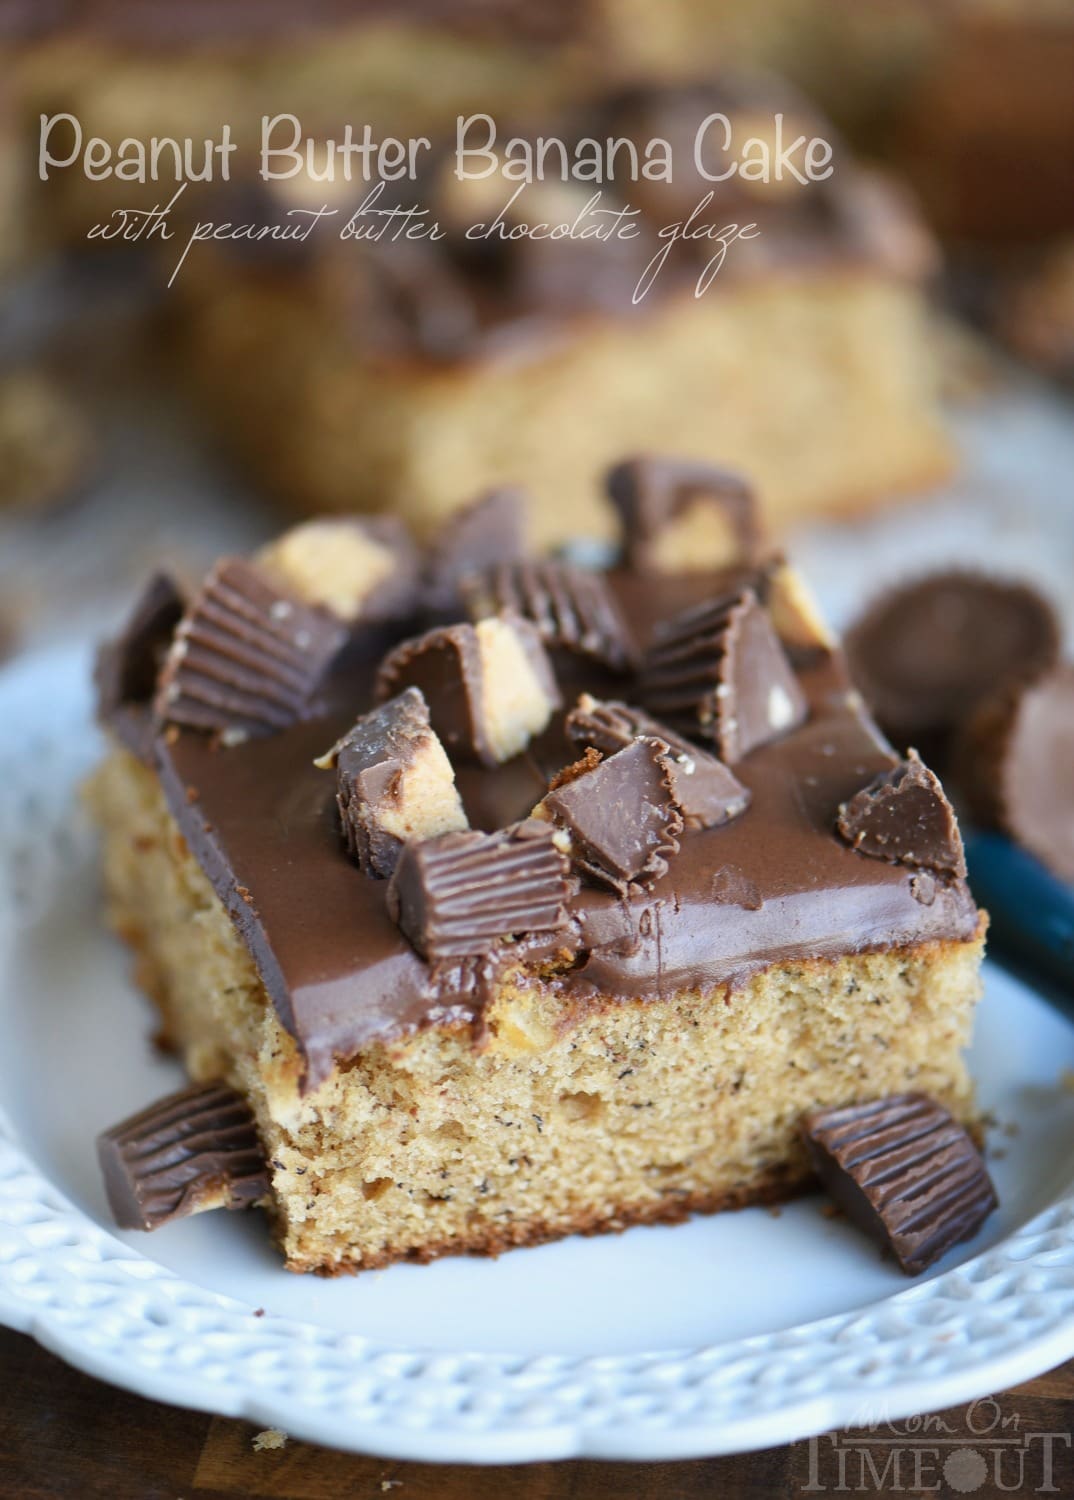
351,375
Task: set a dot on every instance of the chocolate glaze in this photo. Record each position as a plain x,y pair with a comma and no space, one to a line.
260,819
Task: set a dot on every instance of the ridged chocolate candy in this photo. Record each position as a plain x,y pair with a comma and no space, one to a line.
708,793
622,815
464,894
490,687
128,666
903,815
572,608
927,653
488,532
713,511
394,783
247,659
362,568
1016,767
193,1151
719,672
905,1172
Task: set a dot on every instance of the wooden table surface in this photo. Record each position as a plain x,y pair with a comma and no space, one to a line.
64,1436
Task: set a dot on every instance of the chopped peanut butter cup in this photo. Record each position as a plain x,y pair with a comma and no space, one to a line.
572,608
927,653
485,534
708,793
718,671
394,783
905,1172
464,894
1016,767
679,516
622,816
359,568
903,816
193,1151
247,659
489,687
802,629
128,666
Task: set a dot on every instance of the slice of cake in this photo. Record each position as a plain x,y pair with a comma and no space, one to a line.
540,901
351,374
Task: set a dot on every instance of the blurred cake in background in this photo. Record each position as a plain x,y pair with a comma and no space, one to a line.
127,69
344,373
138,68
970,99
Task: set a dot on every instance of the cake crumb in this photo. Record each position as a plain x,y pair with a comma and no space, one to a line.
271,1438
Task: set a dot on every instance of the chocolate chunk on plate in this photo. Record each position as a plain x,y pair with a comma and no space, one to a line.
465,894
193,1151
903,816
905,1172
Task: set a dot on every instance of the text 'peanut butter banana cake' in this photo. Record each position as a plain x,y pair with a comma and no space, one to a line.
488,899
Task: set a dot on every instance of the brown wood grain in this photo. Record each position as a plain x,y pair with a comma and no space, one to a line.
64,1436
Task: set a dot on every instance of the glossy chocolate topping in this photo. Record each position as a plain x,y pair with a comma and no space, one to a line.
774,883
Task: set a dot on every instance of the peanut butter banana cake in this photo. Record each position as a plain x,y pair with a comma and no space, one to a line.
488,899
350,373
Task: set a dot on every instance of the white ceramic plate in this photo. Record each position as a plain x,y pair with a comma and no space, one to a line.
723,1334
